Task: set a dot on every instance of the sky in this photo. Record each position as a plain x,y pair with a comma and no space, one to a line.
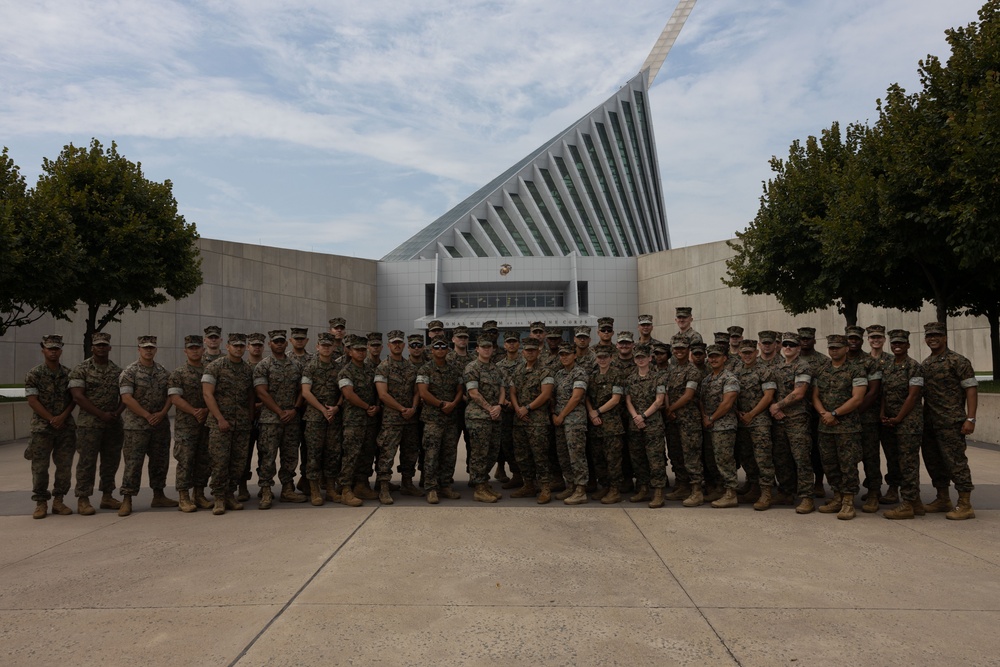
346,127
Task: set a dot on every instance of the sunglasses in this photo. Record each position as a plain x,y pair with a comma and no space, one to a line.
788,343
606,330
415,345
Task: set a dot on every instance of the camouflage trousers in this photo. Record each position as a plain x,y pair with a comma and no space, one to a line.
711,468
57,447
871,453
724,449
353,453
907,445
944,456
607,459
440,454
227,454
507,454
484,445
323,449
139,445
571,444
893,465
649,456
191,452
278,440
684,449
753,446
92,443
251,441
404,438
792,457
531,449
841,453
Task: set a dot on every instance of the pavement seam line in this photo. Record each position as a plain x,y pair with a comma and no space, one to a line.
674,577
914,528
56,546
291,600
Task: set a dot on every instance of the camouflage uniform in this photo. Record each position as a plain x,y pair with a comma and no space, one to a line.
870,420
607,437
816,360
571,436
893,475
946,377
440,439
148,386
190,437
323,438
227,451
283,379
397,433
46,443
684,432
905,437
647,446
840,445
723,430
790,435
358,426
507,452
484,433
94,437
753,442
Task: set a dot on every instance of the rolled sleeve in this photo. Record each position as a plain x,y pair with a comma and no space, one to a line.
80,383
257,382
472,384
126,390
345,382
768,385
175,391
208,379
579,384
916,381
969,382
305,380
859,382
30,391
423,379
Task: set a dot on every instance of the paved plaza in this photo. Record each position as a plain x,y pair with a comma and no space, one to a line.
512,584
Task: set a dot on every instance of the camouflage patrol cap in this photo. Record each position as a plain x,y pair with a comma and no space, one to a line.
748,344
735,330
147,341
683,311
854,330
435,325
660,346
484,340
645,319
415,338
460,331
300,332
509,336
603,350
194,340
625,337
836,340
721,338
529,343
489,325
899,336
52,342
338,322
237,339
641,350
768,336
935,329
554,332
567,347
807,332
679,341
397,336
213,331
791,337
101,338
374,337
355,342
325,338
537,326
605,322
256,338
877,330
718,349
581,332
698,347
277,335
438,342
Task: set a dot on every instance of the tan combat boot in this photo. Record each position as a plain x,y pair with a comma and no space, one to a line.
482,495
201,501
612,496
515,482
160,500
918,507
834,505
184,503
266,498
432,497
871,503
243,493
126,507
750,496
964,509
363,491
641,494
407,488
232,503
695,498
495,494
600,493
846,512
658,498
579,496
448,493
219,507
728,499
331,492
303,485
315,494
765,501
566,492
526,491
290,495
904,511
806,506
59,507
680,493
779,497
84,508
348,498
41,510
713,493
109,502
941,504
384,496
819,491
544,495
891,496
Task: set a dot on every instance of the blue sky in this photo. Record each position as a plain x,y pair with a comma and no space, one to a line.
346,127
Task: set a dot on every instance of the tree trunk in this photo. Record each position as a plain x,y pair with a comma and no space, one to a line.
849,307
942,311
88,335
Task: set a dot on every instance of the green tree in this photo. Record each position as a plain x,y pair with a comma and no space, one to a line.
136,251
37,255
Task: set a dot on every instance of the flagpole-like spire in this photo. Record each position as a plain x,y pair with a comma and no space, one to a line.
667,38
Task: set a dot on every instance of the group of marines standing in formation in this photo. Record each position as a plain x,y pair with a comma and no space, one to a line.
574,422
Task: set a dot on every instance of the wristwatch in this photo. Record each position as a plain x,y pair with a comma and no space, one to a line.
833,413
971,419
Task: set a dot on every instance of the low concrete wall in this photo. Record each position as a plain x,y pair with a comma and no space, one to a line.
15,421
988,419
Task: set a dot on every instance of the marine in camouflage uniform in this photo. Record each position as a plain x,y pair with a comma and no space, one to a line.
227,385
606,429
440,382
357,382
893,476
213,342
53,431
869,414
570,421
816,361
277,381
713,481
950,402
324,424
790,428
510,361
338,328
395,378
901,378
683,419
254,357
753,440
644,395
486,380
585,358
531,423
769,348
94,386
711,393
190,428
301,356
143,387
624,363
